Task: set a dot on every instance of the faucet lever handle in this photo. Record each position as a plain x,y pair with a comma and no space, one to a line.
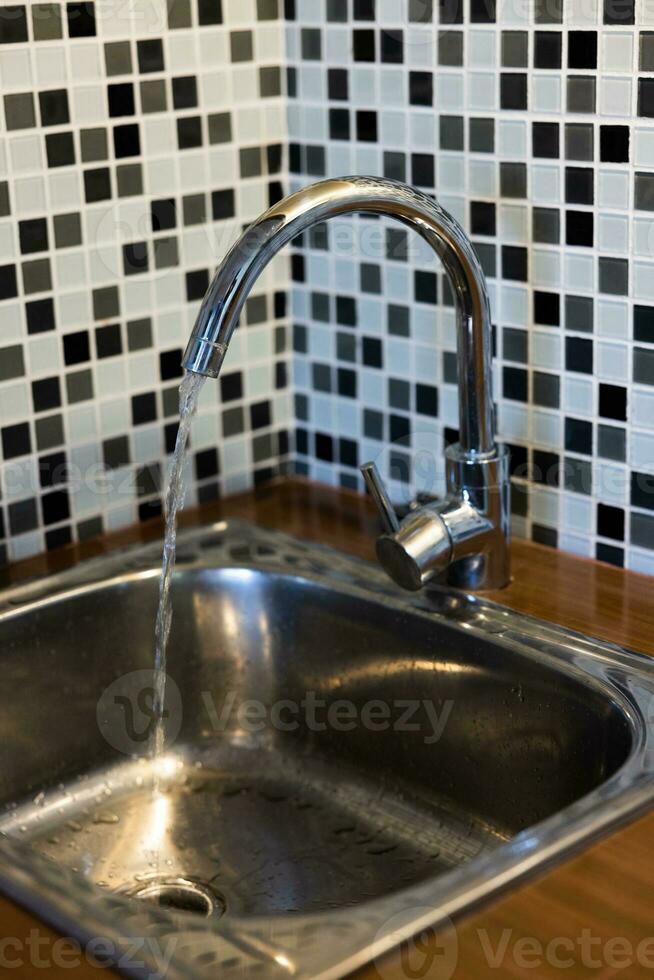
380,497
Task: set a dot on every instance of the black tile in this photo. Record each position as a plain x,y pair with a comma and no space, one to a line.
364,9
108,342
364,45
170,364
582,49
324,447
450,11
610,554
53,470
482,11
77,348
127,142
33,235
97,185
425,287
423,169
642,490
579,228
513,91
427,400
545,468
23,516
40,315
135,258
610,522
60,149
619,12
545,139
115,452
150,55
579,355
121,99
579,185
185,92
13,24
210,12
46,394
514,263
579,436
260,415
81,19
392,47
231,386
515,382
646,97
366,126
421,88
613,402
16,440
189,132
644,324
547,49
222,204
337,84
8,283
144,408
339,124
197,283
58,537
614,144
547,308
206,464
53,107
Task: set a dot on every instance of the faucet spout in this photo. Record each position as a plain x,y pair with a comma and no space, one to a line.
232,283
464,539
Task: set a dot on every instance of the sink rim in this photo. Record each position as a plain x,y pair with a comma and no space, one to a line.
65,900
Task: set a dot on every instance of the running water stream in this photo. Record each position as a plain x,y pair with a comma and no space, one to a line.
189,392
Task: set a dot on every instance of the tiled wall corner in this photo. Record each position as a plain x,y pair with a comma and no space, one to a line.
533,123
135,141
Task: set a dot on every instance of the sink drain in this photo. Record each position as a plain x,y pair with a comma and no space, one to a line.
180,895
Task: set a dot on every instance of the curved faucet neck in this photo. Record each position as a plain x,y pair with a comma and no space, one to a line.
237,274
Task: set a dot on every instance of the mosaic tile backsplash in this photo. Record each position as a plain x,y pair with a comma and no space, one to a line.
533,123
138,138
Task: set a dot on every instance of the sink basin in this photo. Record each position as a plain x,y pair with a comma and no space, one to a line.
346,764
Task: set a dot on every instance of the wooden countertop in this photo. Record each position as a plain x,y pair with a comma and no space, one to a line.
591,916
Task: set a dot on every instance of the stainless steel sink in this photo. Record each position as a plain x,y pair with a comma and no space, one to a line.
346,764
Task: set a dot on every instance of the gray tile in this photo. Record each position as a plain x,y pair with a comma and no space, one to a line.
153,95
118,58
19,110
139,334
49,432
579,142
581,93
194,209
451,132
93,144
270,81
179,14
311,43
482,136
79,386
546,389
548,11
646,49
614,276
46,21
579,313
250,161
130,180
220,127
106,303
577,475
233,422
546,226
36,276
450,48
12,364
68,230
89,528
166,253
513,179
642,530
5,205
644,365
242,47
267,9
515,49
644,191
398,320
611,442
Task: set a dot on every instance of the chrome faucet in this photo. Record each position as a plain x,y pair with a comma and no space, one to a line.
463,540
